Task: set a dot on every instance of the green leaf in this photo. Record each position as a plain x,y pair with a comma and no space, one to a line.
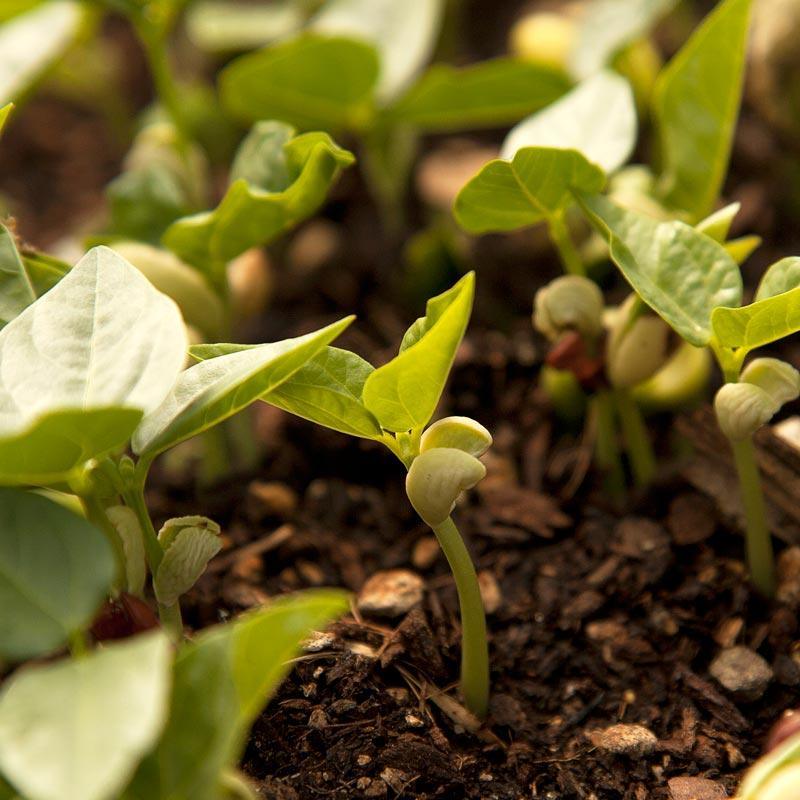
310,81
5,111
31,42
184,562
55,571
741,249
507,195
680,273
718,224
294,180
404,393
213,390
222,681
696,102
57,443
760,323
404,34
488,94
78,728
328,390
782,276
597,118
16,291
607,27
44,271
101,338
131,536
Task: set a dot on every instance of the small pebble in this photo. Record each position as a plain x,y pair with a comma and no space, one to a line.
692,788
742,672
727,632
318,719
414,722
789,577
490,592
363,760
273,498
425,552
390,593
630,740
692,519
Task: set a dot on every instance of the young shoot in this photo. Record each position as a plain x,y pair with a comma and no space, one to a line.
394,405
693,283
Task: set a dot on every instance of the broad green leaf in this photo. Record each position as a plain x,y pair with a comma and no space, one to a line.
55,571
328,390
488,94
57,443
222,681
760,323
404,393
11,8
310,81
404,34
31,42
607,26
78,728
680,273
782,276
184,562
219,26
296,180
597,118
535,185
696,107
16,291
718,224
102,337
213,390
741,249
44,271
5,111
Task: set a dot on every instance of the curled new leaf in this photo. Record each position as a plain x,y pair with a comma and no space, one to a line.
461,433
782,276
126,523
437,478
742,408
570,302
184,562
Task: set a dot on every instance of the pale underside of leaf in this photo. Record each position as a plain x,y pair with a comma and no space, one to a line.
782,276
760,323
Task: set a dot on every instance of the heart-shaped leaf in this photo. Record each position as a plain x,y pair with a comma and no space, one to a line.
55,571
311,81
222,681
404,34
403,394
213,390
534,186
782,276
597,118
278,182
760,323
488,94
31,42
78,728
696,106
102,337
680,273
16,290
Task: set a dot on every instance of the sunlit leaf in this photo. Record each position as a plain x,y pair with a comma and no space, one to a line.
213,390
760,323
312,81
535,185
697,104
403,394
680,273
782,276
55,571
78,728
16,290
488,94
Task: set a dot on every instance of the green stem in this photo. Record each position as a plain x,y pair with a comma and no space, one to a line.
172,620
760,558
561,239
134,497
637,439
97,516
78,646
606,446
474,644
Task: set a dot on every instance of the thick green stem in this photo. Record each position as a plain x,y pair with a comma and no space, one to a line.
134,497
637,439
172,620
760,557
561,239
607,447
474,644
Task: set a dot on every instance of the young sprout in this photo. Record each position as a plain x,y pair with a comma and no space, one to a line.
393,405
693,283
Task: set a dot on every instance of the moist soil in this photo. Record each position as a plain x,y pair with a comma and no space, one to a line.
599,616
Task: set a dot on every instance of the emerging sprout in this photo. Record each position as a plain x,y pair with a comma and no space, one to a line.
462,433
571,302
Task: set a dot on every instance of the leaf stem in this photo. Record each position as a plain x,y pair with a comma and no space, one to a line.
562,241
760,558
606,446
96,514
637,439
474,644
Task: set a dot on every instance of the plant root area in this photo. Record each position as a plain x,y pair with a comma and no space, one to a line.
604,624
